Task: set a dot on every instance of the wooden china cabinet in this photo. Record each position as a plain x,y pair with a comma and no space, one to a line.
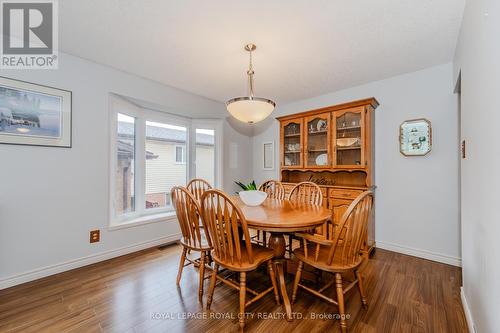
334,148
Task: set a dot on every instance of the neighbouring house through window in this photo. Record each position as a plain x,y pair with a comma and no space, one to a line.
165,170
125,163
205,154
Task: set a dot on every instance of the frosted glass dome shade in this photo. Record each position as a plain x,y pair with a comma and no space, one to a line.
250,109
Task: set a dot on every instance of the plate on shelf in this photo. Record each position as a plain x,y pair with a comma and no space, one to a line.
288,162
322,159
321,125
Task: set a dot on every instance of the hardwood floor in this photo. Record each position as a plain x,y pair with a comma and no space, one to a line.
137,293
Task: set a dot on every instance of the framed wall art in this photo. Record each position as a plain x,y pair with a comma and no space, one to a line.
32,114
415,137
268,155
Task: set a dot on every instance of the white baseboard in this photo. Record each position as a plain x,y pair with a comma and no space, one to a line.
443,258
84,261
468,315
92,259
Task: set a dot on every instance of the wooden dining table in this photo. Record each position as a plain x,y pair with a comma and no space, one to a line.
280,217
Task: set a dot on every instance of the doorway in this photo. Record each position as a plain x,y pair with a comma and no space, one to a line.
462,152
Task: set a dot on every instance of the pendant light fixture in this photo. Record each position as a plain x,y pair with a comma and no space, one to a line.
250,109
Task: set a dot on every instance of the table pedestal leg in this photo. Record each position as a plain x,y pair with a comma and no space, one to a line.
277,242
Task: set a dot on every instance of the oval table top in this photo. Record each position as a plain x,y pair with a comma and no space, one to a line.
283,215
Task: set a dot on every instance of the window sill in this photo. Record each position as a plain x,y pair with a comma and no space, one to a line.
142,220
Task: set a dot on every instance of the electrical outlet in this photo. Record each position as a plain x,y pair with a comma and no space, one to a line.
95,236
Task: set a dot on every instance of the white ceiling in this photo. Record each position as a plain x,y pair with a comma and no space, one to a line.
304,48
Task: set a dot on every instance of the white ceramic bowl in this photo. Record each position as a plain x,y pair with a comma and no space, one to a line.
253,198
347,142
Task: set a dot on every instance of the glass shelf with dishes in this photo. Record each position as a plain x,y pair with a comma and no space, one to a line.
317,154
327,140
348,138
292,143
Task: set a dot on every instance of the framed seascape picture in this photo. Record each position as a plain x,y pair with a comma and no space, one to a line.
415,137
32,114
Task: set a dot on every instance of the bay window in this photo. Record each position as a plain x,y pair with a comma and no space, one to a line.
151,152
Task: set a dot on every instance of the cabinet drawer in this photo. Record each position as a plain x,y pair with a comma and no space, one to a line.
344,194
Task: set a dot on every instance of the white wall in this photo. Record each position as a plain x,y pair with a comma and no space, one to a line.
50,198
478,59
416,197
238,154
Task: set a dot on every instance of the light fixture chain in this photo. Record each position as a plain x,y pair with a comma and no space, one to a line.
250,73
250,67
250,109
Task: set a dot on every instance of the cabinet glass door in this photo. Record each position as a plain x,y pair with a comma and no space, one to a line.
317,154
292,144
348,138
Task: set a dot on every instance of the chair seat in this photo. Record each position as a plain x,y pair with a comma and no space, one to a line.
197,246
337,265
260,254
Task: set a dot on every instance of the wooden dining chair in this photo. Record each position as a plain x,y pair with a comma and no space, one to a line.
197,187
193,238
274,190
341,255
305,192
232,252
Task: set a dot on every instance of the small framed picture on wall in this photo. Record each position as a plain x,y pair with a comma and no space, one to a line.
415,137
268,155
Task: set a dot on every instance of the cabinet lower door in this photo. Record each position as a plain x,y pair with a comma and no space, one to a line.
339,207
